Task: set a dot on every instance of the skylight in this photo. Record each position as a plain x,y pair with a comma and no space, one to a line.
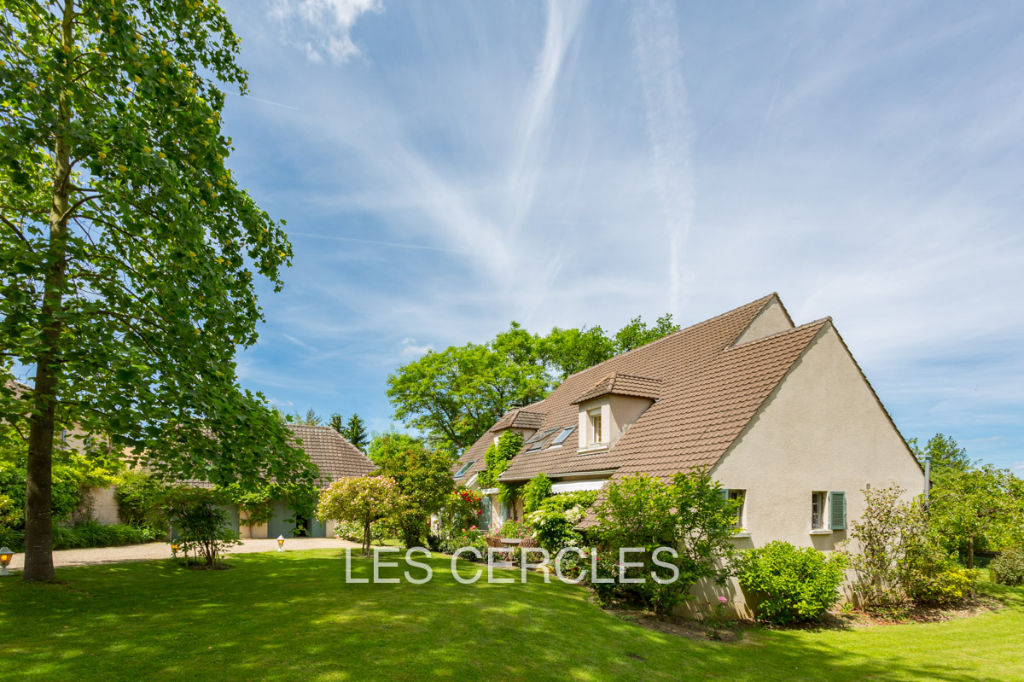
464,468
540,435
560,438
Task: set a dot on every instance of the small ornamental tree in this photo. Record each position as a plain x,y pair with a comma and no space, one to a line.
362,499
199,523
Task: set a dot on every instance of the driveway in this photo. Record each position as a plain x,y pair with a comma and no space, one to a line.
162,550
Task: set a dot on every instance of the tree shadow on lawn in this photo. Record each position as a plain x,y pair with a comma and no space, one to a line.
292,615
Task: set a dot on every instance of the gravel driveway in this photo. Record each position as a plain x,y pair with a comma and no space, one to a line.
162,550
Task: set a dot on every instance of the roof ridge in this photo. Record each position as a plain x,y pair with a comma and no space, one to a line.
673,334
820,320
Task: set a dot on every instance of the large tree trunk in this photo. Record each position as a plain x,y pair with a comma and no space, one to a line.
38,516
970,552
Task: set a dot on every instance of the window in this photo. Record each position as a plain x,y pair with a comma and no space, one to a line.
464,468
741,496
818,500
560,438
595,426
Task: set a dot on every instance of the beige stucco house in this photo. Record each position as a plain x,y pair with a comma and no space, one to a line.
782,415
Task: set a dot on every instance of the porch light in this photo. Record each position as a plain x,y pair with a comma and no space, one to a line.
5,558
174,549
280,543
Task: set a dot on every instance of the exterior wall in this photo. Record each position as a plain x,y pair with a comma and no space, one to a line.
771,320
258,531
822,430
100,505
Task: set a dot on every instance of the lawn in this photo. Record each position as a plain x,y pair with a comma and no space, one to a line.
291,616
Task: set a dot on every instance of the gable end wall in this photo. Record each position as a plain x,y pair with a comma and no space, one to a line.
822,430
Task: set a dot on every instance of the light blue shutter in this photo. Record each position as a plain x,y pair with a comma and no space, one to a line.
838,510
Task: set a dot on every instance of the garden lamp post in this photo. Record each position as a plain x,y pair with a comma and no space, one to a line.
280,543
5,558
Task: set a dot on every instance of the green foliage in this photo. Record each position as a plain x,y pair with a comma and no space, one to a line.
355,432
969,506
138,497
498,456
689,514
424,481
1008,567
353,531
128,250
461,512
93,534
554,522
362,499
949,586
515,529
200,526
337,422
470,537
637,333
536,490
311,418
794,584
945,454
387,445
457,394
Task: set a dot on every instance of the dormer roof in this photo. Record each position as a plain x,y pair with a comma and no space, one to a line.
519,418
618,383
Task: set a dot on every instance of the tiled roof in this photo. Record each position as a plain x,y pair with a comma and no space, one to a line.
519,418
707,393
623,384
331,452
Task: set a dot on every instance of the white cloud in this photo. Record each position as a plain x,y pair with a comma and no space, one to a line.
328,22
410,349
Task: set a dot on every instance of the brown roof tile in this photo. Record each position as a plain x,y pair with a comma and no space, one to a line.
331,452
707,391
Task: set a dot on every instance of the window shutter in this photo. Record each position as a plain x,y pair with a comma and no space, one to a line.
838,510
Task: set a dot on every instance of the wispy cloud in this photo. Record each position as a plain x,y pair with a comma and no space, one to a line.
659,61
326,25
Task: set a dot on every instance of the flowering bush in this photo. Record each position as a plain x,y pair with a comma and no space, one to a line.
516,529
556,518
362,499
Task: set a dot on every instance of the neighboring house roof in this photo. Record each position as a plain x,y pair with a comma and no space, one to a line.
334,456
623,384
331,452
705,390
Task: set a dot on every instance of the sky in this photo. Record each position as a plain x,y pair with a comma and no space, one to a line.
445,168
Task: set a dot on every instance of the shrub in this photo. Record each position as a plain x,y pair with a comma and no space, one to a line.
794,584
952,585
353,531
689,514
471,537
201,527
138,498
536,490
554,522
515,529
1008,567
93,534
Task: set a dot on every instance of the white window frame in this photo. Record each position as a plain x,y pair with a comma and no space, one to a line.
821,499
595,436
741,514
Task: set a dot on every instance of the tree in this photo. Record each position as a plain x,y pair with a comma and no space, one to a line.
945,454
424,480
637,333
310,419
355,432
567,351
456,395
969,505
337,422
362,499
200,524
127,249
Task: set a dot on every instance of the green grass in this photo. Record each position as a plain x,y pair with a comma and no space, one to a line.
291,616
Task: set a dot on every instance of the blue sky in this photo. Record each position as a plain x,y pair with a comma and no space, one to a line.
445,168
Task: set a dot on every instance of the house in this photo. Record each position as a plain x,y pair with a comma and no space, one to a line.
335,457
782,416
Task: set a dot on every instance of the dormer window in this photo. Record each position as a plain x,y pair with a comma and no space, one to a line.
594,427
